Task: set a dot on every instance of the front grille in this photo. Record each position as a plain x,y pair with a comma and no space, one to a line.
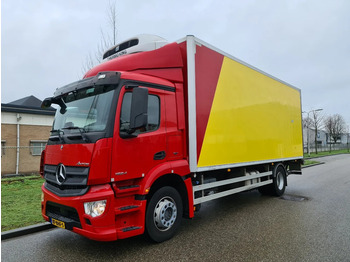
75,183
69,215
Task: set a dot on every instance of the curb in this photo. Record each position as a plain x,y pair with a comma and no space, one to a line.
308,158
321,163
25,230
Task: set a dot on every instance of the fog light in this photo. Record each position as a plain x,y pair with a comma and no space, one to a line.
95,208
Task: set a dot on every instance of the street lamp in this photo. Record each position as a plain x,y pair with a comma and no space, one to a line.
308,129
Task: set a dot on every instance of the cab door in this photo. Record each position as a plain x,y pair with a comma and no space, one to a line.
135,155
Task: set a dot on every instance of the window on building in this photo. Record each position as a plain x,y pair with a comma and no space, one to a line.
36,147
3,144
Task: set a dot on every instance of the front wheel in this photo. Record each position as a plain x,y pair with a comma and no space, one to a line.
163,214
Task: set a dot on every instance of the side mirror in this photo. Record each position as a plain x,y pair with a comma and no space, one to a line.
46,103
52,100
139,106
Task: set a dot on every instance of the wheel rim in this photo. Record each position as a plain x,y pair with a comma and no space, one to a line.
165,214
280,181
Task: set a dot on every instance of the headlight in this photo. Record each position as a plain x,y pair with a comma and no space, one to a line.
42,196
95,208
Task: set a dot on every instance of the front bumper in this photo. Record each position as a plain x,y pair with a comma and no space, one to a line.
113,224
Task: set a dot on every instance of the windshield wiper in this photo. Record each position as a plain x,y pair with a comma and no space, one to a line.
59,135
81,130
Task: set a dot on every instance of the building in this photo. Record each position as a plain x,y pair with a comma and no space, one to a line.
309,134
25,129
323,140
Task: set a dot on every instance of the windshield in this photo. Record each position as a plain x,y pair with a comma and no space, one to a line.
87,110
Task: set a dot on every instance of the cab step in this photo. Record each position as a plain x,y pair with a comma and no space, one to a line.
127,189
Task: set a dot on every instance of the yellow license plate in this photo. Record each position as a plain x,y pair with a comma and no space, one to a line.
58,223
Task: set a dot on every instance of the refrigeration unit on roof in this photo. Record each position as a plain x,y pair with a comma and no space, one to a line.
140,43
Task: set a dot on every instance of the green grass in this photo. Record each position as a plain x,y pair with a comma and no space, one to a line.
310,162
20,202
327,153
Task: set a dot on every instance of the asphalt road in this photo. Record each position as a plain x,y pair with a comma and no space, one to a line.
312,223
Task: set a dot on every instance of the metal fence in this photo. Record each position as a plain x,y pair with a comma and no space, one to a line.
327,148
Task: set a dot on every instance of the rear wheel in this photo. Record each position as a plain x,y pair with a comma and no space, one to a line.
279,183
163,214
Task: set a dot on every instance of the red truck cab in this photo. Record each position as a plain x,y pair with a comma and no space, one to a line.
118,137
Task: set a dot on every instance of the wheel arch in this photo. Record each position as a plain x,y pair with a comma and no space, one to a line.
174,174
175,181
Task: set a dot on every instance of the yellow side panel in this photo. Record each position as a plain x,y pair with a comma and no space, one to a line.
253,118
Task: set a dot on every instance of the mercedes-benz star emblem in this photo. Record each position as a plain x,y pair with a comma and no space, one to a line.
61,174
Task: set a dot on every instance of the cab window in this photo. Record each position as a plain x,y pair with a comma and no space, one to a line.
153,114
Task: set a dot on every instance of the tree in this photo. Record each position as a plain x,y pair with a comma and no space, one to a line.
108,38
316,123
335,126
347,137
328,125
307,122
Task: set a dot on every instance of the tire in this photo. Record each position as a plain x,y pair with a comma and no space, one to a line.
279,183
163,214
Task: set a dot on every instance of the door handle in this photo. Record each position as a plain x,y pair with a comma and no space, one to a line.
159,155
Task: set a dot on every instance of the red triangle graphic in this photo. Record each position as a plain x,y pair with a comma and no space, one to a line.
208,67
